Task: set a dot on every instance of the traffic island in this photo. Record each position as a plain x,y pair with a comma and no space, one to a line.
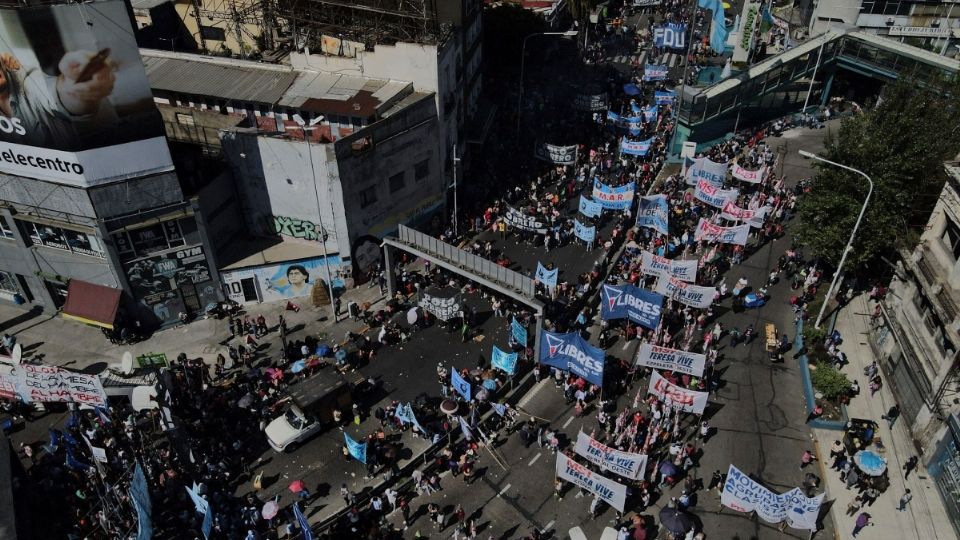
826,408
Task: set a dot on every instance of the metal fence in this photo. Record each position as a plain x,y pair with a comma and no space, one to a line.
467,261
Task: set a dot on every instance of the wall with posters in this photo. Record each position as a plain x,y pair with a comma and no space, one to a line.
164,284
286,281
81,112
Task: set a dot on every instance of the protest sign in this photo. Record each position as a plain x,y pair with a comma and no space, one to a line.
460,384
586,233
685,293
664,97
708,232
613,198
677,396
589,208
654,213
650,113
671,359
405,415
743,494
357,450
713,195
655,265
704,169
560,155
547,277
590,102
570,352
646,3
652,72
753,218
635,148
610,492
626,301
670,36
516,218
441,308
754,177
626,464
504,361
519,332
49,383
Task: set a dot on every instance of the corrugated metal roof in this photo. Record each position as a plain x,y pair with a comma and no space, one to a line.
223,80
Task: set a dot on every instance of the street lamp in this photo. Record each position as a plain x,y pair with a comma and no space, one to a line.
456,226
849,246
523,58
323,232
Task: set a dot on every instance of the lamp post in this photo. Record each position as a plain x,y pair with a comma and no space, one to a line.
523,58
316,192
456,225
853,234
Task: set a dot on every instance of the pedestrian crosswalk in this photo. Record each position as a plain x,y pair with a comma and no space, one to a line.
668,59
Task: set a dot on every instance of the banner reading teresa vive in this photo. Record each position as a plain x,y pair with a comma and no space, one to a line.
626,301
75,104
671,359
570,352
712,195
626,464
610,492
685,293
743,494
655,265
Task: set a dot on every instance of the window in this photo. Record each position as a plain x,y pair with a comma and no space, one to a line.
951,238
83,243
368,196
148,239
396,182
185,119
152,239
422,169
65,239
123,244
5,229
214,33
8,283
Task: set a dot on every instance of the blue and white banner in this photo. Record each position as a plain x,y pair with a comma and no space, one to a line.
665,97
357,450
713,195
610,492
687,294
405,414
586,233
655,265
618,198
305,531
650,113
519,332
706,169
635,148
504,361
140,495
547,277
670,36
570,352
654,213
708,232
626,464
626,301
460,384
671,359
743,494
589,208
653,72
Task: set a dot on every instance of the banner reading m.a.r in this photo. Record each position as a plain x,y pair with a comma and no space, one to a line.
75,104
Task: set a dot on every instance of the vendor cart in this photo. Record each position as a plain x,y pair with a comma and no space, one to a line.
773,346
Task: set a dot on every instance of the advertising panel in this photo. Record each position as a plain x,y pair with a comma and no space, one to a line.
75,104
155,280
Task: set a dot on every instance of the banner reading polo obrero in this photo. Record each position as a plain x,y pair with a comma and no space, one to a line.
654,213
635,148
685,293
570,352
590,102
610,492
753,218
671,359
754,177
516,218
705,169
589,208
75,104
709,232
626,464
626,301
655,265
677,396
561,155
713,195
743,494
618,198
653,72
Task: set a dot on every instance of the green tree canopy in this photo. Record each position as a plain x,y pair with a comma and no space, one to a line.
901,144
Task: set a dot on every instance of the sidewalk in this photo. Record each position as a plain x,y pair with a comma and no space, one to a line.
925,517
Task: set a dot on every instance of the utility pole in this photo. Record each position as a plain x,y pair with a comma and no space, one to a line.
456,221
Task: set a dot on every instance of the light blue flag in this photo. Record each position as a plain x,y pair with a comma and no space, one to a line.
589,208
519,332
460,384
357,450
504,361
718,34
583,232
547,277
500,408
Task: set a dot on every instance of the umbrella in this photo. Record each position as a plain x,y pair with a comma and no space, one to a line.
448,406
271,509
631,89
245,401
490,384
412,316
726,5
274,373
323,350
870,462
341,355
675,521
297,486
298,366
667,468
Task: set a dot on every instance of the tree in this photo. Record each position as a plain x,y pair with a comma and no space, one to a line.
901,144
504,28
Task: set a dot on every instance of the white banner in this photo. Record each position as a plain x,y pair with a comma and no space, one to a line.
671,359
626,464
714,173
561,155
754,177
685,293
50,383
610,492
712,195
743,494
677,396
655,265
709,232
442,308
753,218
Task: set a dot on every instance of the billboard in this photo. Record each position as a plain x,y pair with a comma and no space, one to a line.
75,104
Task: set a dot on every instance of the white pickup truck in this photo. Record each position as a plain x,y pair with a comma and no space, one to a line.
311,409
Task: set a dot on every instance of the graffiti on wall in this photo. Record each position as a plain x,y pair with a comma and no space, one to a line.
293,279
296,228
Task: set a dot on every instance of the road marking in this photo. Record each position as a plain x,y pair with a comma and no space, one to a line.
504,490
671,58
643,57
548,526
567,423
534,460
526,399
626,343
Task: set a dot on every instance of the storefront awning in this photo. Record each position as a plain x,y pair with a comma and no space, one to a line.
91,304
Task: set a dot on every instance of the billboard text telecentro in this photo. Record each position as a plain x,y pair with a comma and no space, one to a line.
75,104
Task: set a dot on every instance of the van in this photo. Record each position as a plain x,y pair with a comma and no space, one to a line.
312,402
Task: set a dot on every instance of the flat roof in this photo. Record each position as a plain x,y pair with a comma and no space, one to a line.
257,251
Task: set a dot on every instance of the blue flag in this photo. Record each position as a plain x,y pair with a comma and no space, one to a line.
500,408
718,33
519,332
207,527
547,277
460,384
357,450
302,521
504,361
654,212
570,352
589,208
140,496
650,113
